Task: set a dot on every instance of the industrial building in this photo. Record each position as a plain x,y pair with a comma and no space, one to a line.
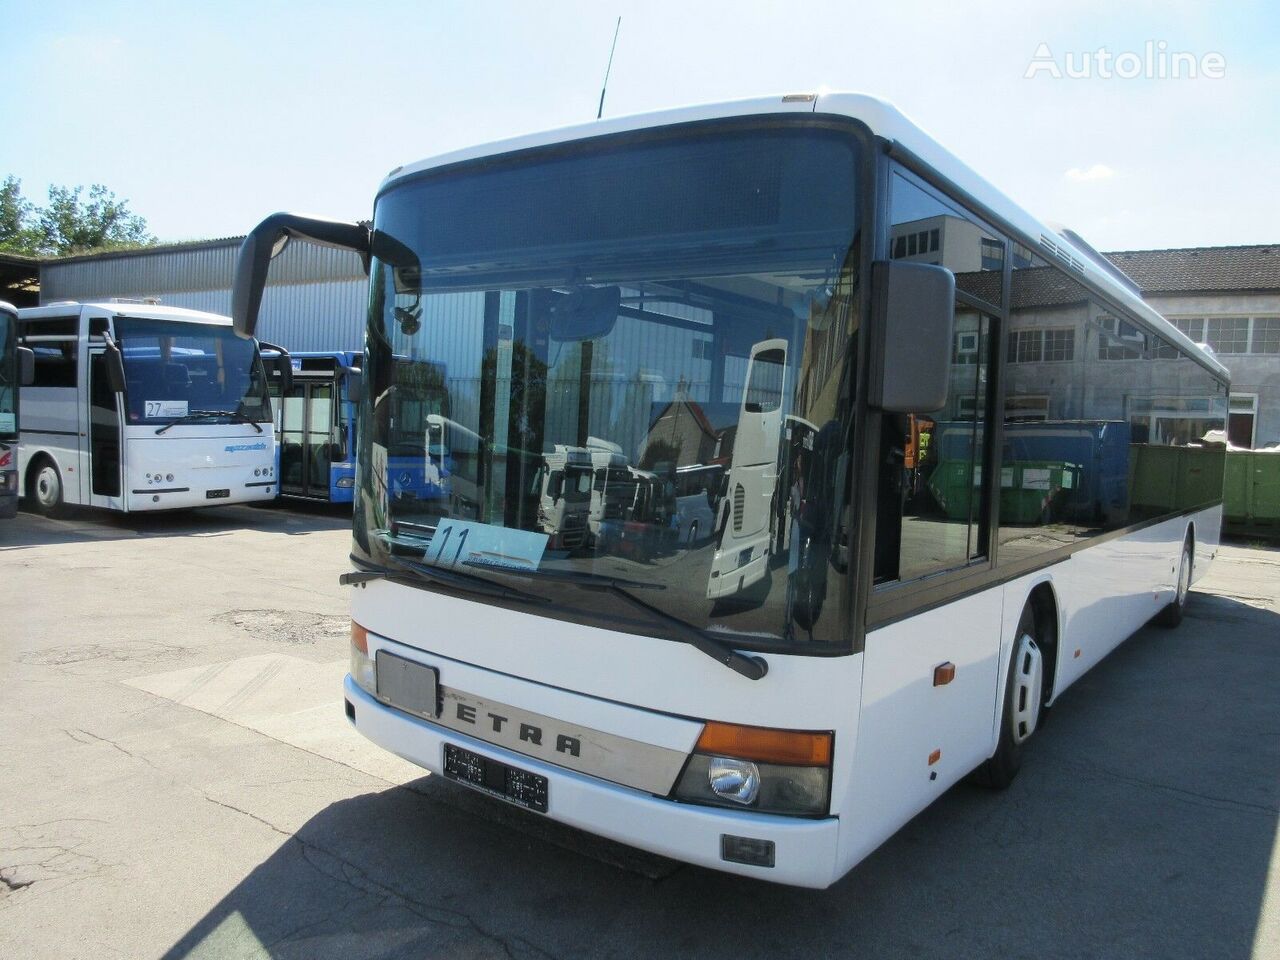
1227,297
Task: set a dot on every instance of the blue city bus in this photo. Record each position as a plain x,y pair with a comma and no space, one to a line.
316,426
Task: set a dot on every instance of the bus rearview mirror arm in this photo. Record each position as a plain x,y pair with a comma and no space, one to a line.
914,310
115,365
265,242
284,365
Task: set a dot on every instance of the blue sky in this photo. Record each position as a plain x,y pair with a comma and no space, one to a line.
207,118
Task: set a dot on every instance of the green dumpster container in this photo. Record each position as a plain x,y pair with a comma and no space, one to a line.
1030,490
1171,479
1251,494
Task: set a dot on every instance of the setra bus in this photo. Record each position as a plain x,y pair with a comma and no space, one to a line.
135,406
17,367
873,617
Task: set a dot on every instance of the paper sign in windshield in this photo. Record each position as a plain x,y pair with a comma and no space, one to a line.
165,408
460,542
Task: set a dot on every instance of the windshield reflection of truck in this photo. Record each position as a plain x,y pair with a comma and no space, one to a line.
745,524
564,496
610,488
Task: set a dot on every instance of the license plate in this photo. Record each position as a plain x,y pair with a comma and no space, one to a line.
496,778
409,686
216,494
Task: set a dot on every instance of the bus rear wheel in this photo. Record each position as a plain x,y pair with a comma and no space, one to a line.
1023,702
44,487
1172,615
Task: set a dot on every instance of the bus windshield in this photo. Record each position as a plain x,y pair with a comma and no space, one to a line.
611,346
8,375
176,369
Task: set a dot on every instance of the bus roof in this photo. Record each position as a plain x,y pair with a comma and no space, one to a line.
146,311
884,120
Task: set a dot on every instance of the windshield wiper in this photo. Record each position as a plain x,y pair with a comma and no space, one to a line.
191,415
406,571
751,667
583,578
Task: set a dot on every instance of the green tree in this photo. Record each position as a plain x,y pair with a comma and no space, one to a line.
70,223
16,232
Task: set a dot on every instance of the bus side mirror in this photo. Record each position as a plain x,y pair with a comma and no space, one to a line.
283,364
355,386
26,366
913,311
266,241
115,369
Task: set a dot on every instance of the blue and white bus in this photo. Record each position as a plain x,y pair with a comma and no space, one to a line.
316,425
877,629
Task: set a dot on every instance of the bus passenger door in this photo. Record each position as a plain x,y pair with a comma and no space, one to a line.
320,439
293,424
102,455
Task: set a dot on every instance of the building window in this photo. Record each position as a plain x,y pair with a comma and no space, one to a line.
1119,340
966,347
992,254
1057,345
1026,409
1266,335
1194,329
933,240
1229,334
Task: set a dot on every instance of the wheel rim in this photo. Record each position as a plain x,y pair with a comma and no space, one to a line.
1184,577
47,487
1028,684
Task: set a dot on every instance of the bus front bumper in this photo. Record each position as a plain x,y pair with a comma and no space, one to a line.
805,850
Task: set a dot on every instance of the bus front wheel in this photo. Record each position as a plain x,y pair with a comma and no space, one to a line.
44,487
1023,702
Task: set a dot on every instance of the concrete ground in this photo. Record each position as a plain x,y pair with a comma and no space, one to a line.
178,780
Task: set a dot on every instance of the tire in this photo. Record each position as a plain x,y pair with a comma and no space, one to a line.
1023,705
44,487
1172,615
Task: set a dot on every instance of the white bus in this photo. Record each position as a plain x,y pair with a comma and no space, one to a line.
135,406
16,368
910,639
745,525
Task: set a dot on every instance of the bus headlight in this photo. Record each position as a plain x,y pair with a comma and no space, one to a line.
363,670
345,483
767,771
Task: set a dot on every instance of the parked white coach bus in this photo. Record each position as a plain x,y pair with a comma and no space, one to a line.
918,611
135,406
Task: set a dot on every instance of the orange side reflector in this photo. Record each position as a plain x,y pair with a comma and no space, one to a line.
797,747
935,757
944,673
360,638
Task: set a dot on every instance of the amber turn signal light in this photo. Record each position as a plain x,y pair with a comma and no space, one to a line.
797,747
360,638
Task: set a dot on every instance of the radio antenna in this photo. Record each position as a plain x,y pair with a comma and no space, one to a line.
605,85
